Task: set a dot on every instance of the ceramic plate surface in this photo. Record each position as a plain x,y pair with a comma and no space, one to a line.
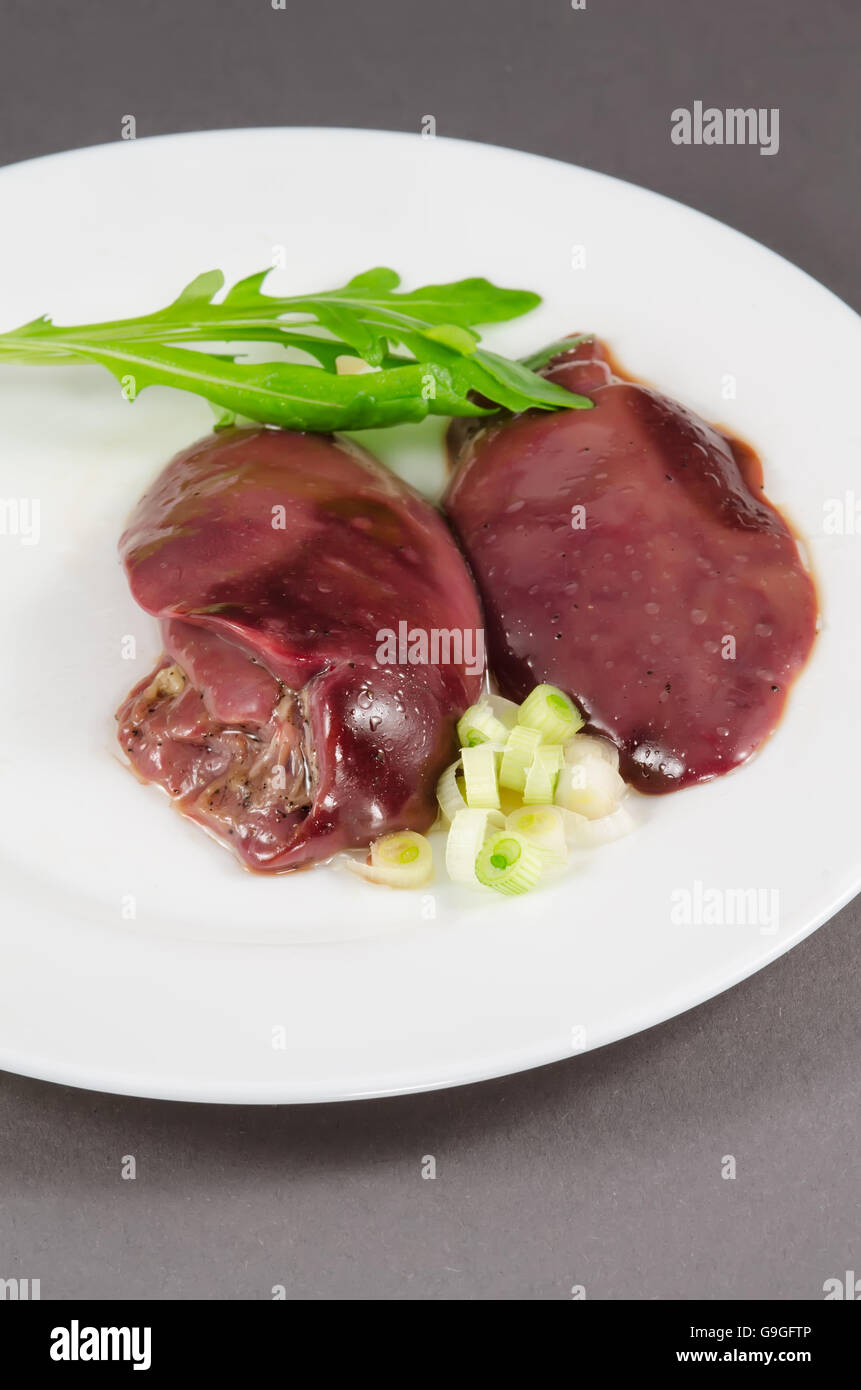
136,956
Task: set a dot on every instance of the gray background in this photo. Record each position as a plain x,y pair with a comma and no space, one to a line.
603,1171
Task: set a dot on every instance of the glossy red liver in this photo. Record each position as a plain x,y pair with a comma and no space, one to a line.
674,607
290,740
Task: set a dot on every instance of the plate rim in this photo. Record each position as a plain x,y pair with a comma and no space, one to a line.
467,1072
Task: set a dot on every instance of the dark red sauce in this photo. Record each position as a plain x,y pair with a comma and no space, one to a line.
628,555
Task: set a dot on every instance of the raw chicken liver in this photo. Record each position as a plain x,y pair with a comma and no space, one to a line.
274,560
627,554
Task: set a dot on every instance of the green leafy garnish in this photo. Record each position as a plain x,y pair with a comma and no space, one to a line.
539,359
421,345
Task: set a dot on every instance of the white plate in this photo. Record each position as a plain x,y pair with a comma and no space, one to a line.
226,987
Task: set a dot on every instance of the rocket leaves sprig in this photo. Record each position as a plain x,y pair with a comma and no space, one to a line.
420,347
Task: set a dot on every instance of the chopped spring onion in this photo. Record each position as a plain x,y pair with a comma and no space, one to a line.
469,829
527,787
480,725
517,756
542,775
549,710
509,863
448,793
479,770
582,744
582,833
403,860
591,787
544,827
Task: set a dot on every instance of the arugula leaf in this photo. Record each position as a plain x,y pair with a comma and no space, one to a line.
534,390
537,360
288,394
368,318
464,302
201,290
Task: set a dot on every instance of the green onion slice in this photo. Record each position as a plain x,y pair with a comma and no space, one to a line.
479,771
480,725
582,833
469,830
542,775
592,787
589,745
549,709
517,755
544,827
448,793
402,860
508,863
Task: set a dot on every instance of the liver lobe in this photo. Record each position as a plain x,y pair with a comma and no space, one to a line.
289,739
627,554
